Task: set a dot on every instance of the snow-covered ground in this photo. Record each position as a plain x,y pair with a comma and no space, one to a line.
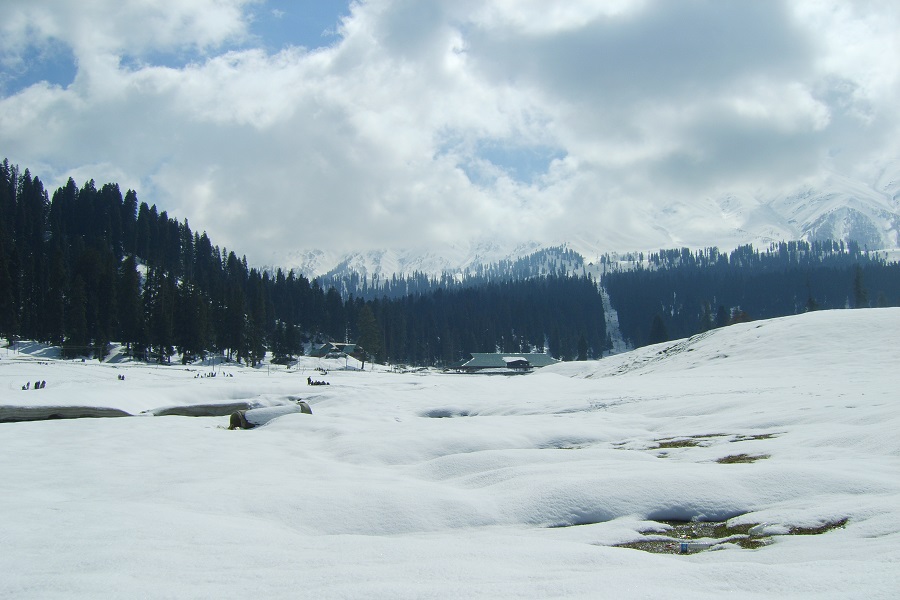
431,485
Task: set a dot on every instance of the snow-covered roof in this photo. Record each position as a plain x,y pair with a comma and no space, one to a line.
492,360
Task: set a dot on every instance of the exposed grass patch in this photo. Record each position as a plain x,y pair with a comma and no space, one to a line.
748,438
706,439
564,446
741,458
690,537
677,443
445,413
820,529
654,547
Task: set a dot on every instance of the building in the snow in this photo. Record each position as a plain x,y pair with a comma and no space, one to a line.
504,362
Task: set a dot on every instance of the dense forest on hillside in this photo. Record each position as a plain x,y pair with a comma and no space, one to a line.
87,266
678,293
562,315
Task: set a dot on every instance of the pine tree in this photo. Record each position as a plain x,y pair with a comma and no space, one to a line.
55,302
8,307
256,329
131,316
234,324
811,304
14,318
190,322
335,323
582,348
706,318
721,317
129,222
145,221
658,332
281,355
159,308
860,295
370,334
76,339
107,304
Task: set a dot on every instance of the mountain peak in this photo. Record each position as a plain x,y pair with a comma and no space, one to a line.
832,207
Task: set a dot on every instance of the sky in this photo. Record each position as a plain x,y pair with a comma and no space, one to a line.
281,126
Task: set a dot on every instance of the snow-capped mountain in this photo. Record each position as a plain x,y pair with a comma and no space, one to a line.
834,207
406,261
847,209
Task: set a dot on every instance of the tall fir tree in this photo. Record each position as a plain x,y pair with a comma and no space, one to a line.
860,294
658,331
76,341
131,314
370,334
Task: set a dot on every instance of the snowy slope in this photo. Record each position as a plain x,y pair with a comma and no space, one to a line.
440,485
843,209
406,261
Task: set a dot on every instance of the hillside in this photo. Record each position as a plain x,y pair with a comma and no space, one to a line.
780,435
82,267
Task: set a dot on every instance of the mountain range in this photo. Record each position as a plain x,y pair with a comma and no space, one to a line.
834,207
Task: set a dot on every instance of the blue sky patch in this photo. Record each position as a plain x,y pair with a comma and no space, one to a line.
521,163
309,23
275,25
53,63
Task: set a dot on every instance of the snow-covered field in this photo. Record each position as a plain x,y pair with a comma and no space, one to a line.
431,485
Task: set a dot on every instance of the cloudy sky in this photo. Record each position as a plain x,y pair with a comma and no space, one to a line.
279,126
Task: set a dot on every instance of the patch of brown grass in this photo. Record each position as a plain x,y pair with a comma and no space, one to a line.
750,438
820,529
677,443
741,458
710,534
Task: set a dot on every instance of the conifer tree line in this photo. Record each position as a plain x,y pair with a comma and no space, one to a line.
559,315
86,266
678,293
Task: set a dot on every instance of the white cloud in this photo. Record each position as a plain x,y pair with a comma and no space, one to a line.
136,27
385,137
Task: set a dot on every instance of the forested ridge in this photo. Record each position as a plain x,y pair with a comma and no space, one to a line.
86,266
678,293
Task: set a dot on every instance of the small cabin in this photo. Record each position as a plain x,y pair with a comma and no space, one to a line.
505,362
335,350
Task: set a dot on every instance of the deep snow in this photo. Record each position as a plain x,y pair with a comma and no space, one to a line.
412,485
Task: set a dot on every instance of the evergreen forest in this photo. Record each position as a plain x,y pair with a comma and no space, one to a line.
677,293
86,266
83,267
